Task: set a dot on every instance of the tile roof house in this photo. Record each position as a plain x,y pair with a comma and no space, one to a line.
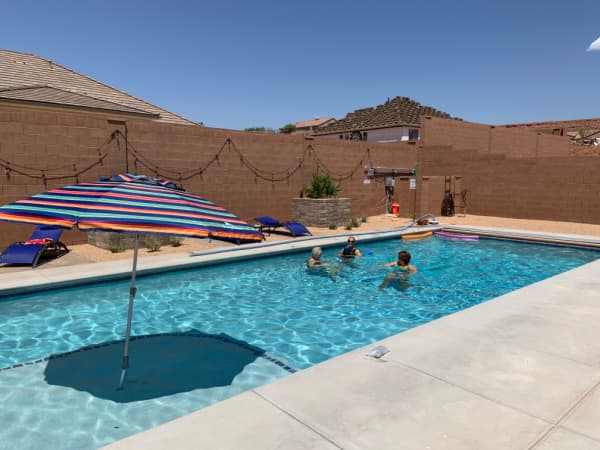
581,131
395,120
29,80
309,126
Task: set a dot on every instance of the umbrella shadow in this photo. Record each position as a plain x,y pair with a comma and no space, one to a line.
160,365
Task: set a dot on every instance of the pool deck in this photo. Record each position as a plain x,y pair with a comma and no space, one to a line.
521,371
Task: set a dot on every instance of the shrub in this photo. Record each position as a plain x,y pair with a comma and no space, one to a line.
348,225
322,186
175,241
153,243
355,222
363,219
332,226
288,128
115,243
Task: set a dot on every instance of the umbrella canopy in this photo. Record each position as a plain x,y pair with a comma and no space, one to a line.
134,204
131,204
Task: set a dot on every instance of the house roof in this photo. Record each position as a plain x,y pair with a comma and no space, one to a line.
316,122
575,124
400,111
29,78
53,96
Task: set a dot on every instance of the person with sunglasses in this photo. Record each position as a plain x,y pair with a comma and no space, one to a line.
350,251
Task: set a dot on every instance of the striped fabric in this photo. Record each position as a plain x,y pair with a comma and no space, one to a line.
134,207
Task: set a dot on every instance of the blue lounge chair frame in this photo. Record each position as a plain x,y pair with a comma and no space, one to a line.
268,224
21,253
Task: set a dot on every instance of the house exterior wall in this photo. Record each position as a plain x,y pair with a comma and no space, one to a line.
392,134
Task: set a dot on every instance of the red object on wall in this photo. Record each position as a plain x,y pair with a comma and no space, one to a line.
396,209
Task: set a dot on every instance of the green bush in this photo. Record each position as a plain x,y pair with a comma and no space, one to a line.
332,226
153,243
355,222
115,243
348,225
322,186
175,241
288,128
363,219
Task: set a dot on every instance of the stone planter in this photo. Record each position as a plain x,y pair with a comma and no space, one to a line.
321,212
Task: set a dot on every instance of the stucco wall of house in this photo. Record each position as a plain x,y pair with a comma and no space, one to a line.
391,134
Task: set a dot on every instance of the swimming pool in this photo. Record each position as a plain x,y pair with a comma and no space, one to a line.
272,304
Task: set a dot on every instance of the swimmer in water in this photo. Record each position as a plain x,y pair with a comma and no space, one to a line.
315,262
402,271
350,251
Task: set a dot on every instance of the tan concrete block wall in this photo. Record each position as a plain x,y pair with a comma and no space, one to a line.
512,142
462,135
61,143
507,173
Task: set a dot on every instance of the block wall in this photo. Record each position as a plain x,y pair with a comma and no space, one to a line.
507,172
250,174
533,177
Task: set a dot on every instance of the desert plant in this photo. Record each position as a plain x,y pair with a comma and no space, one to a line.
348,225
115,243
355,222
153,243
363,219
288,128
322,186
260,129
175,241
332,226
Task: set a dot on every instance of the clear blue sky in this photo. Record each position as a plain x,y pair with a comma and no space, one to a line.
239,64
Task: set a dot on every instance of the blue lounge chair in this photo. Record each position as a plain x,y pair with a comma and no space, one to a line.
268,224
42,244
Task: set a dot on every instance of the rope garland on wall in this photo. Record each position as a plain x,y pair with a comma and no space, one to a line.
42,174
266,175
309,154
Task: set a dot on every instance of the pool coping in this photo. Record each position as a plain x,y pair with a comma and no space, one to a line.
519,371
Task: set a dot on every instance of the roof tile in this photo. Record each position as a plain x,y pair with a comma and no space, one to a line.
400,111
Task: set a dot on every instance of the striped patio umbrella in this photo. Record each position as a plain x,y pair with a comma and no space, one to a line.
131,204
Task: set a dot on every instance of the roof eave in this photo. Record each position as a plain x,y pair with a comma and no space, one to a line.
51,105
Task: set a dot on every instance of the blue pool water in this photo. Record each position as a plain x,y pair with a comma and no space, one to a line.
268,313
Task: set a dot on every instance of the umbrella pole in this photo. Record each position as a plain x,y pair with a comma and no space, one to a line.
132,291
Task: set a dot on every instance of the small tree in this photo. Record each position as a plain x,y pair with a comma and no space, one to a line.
260,129
288,128
322,186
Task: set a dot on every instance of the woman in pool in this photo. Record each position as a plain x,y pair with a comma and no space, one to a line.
403,269
350,251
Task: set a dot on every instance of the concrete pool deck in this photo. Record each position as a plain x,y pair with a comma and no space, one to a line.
519,371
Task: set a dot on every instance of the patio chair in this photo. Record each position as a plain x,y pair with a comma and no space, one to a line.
42,244
268,224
